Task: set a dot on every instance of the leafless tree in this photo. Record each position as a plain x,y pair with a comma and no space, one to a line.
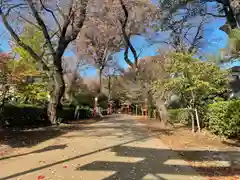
98,42
68,22
133,17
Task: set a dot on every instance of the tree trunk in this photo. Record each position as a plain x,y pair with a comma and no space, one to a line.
231,20
150,104
5,91
109,95
238,19
100,81
235,10
197,119
158,115
193,121
57,93
162,112
232,13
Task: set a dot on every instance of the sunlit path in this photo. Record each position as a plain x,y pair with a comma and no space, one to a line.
116,148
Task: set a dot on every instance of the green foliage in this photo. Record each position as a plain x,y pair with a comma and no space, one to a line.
223,118
34,38
234,43
179,115
193,80
22,115
232,51
86,99
32,93
25,67
195,75
4,75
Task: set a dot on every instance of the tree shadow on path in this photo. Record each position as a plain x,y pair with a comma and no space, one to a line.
155,162
49,148
18,138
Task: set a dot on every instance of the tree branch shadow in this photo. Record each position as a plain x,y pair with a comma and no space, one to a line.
49,148
155,162
27,137
67,160
233,144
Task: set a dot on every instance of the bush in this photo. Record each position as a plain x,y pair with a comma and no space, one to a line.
87,99
179,116
67,113
84,99
223,118
23,115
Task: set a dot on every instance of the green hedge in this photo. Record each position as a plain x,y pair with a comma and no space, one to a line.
87,99
24,115
223,118
28,115
179,115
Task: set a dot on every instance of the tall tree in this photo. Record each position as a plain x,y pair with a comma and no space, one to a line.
72,78
98,42
193,81
132,18
68,23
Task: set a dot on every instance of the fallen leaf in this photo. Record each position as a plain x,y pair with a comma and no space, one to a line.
65,166
41,177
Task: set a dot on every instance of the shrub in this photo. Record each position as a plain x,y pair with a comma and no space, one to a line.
84,99
23,115
179,115
223,118
87,99
67,113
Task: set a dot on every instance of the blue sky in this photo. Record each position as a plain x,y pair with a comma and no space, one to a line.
214,40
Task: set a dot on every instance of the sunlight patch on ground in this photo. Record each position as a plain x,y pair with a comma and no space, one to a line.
113,157
178,177
151,177
198,163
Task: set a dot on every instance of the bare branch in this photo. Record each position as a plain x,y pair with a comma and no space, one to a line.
66,22
42,25
53,15
13,7
215,15
143,48
127,37
60,11
29,22
196,37
127,60
65,39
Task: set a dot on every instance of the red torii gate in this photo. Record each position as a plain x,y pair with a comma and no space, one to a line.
127,106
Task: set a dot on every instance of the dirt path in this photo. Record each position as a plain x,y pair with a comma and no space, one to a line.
116,148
